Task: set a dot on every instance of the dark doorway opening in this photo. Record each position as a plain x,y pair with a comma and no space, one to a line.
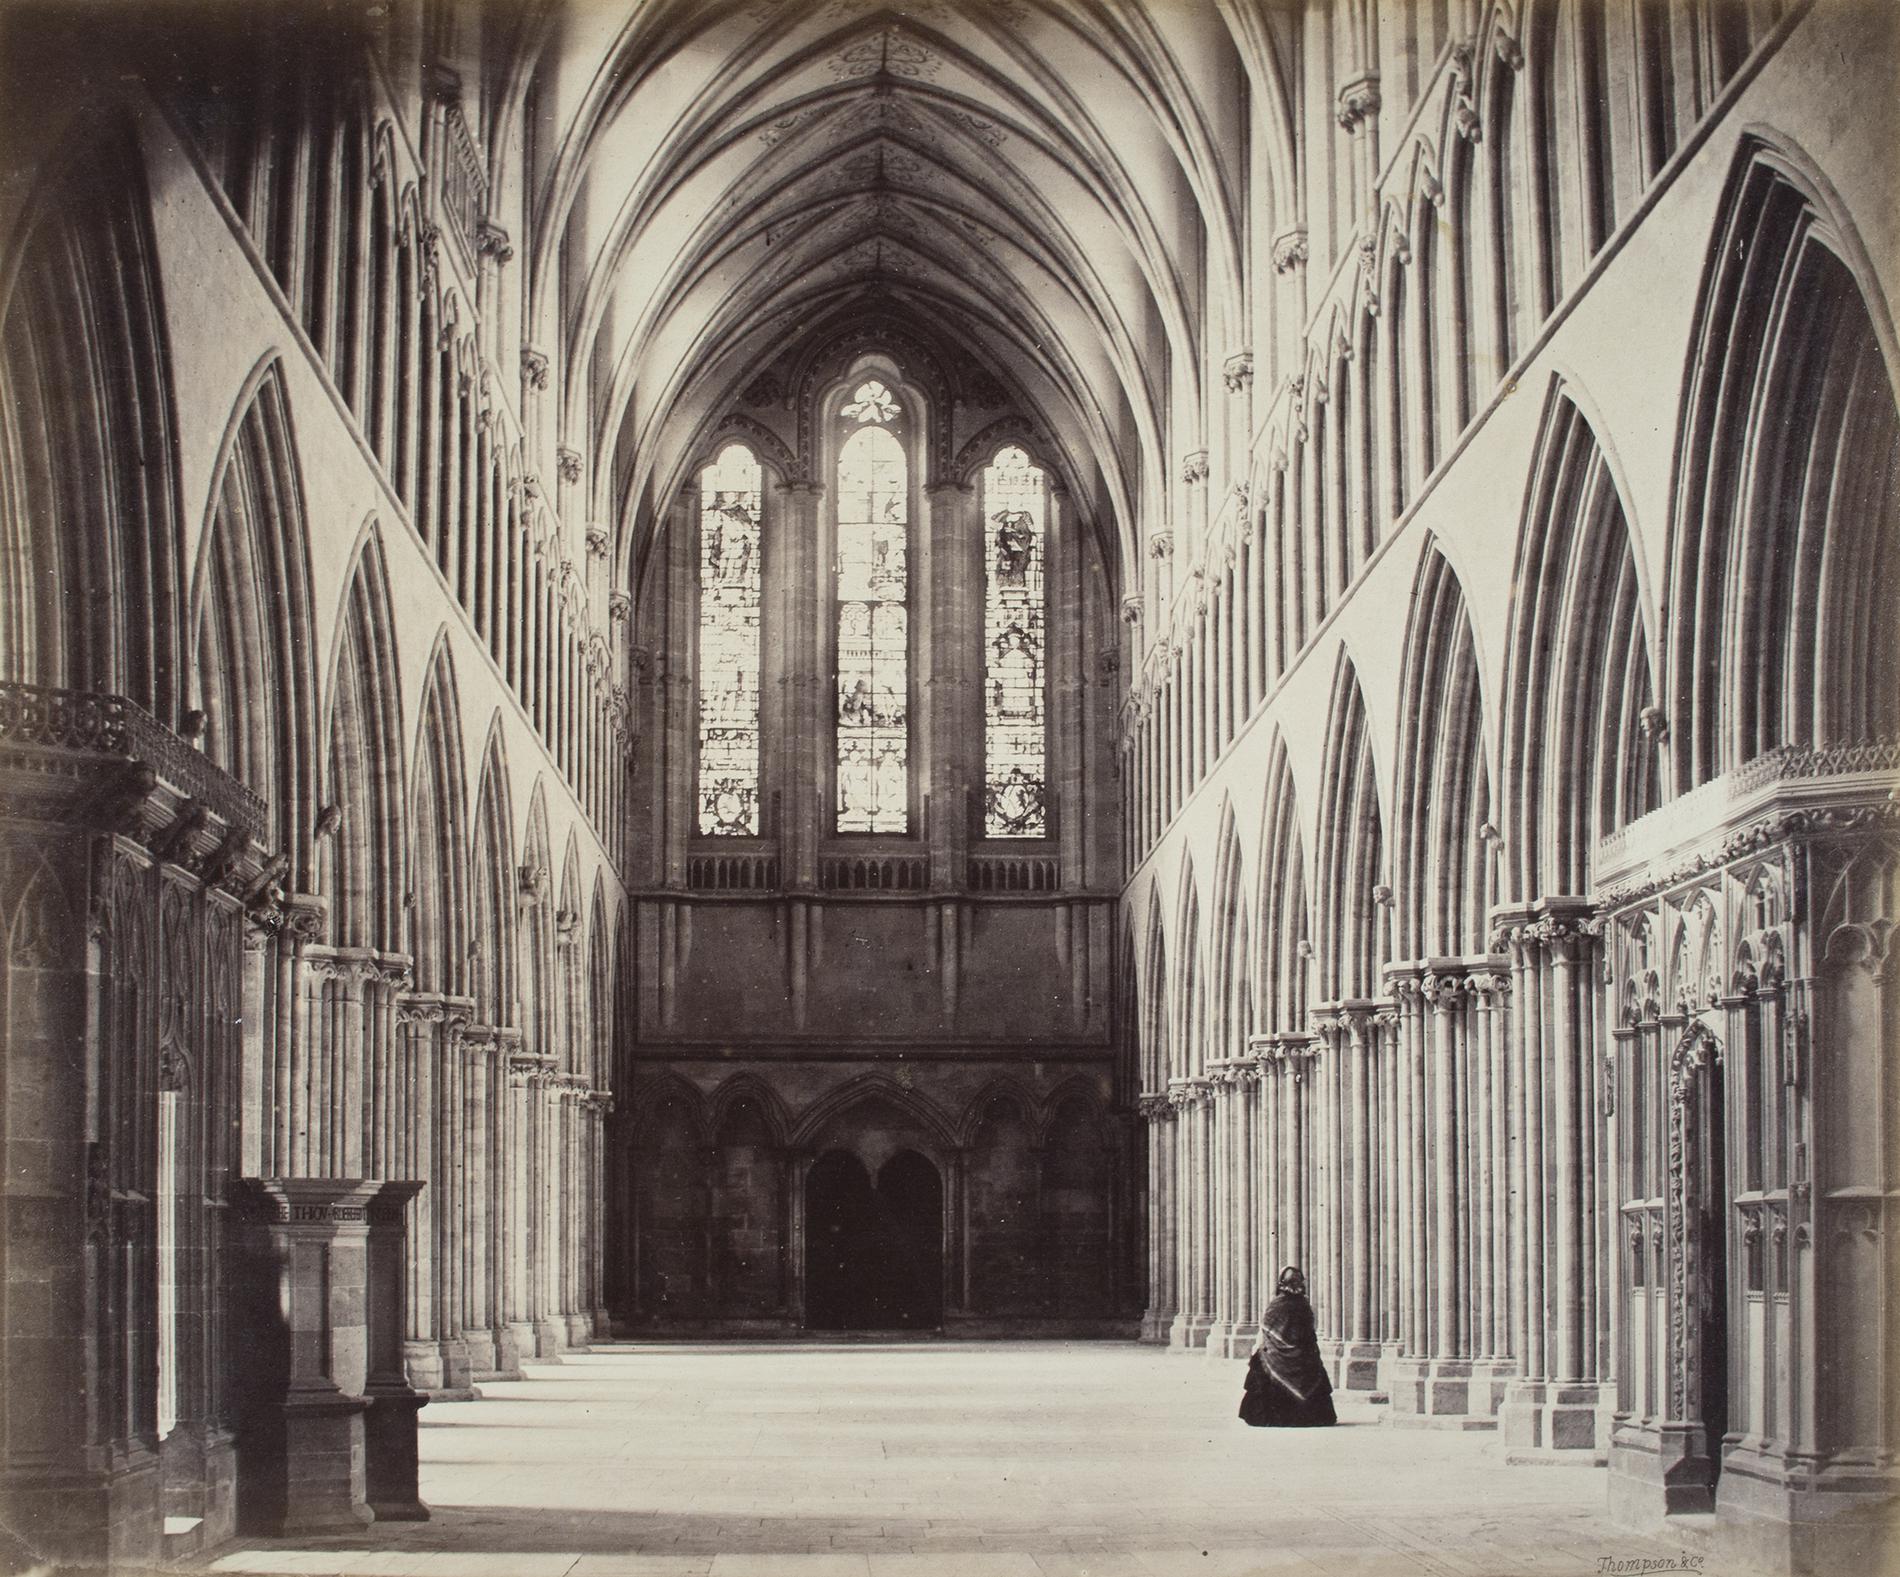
873,1253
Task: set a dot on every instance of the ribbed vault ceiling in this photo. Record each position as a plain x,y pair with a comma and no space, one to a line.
1045,190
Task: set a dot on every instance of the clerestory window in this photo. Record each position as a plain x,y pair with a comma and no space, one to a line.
731,582
1015,649
871,592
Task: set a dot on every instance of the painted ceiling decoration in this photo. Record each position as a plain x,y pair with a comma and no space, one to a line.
1042,194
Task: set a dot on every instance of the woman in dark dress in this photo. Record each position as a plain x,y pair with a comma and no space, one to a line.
1287,1387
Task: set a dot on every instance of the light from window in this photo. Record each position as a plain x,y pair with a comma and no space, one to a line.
1015,771
873,593
729,602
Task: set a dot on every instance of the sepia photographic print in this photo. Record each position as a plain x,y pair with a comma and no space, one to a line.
949,788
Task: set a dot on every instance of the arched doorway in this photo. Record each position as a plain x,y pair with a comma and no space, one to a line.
873,1252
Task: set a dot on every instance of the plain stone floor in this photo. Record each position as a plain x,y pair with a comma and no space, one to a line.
947,1459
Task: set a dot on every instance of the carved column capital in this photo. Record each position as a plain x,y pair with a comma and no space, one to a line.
1289,251
491,241
1358,101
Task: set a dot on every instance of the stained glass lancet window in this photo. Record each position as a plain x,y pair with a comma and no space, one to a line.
729,600
1015,769
873,620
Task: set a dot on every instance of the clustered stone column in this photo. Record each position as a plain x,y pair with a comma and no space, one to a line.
1354,1163
1560,1402
1193,1193
1157,1111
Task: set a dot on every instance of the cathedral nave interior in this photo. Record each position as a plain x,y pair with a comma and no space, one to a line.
734,668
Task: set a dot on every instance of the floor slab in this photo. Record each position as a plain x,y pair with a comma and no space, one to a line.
947,1459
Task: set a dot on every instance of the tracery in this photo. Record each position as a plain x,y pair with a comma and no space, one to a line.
871,589
730,585
1015,778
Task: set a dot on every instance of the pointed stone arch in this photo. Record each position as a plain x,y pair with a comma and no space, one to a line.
1285,948
1156,1018
253,635
1232,1011
743,1089
1354,930
1579,694
999,1090
493,886
811,1122
535,982
1444,875
1187,1041
1784,572
438,940
90,513
361,863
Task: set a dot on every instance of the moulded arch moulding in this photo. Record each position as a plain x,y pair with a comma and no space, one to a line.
1075,1089
366,556
1569,386
743,1088
650,1097
768,448
869,1087
1001,1089
1456,558
825,364
980,448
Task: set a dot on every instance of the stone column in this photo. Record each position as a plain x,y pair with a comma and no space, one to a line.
1560,1406
1493,1365
301,1456
600,1105
577,1204
416,1019
795,1238
805,681
389,1424
475,1238
1390,1309
1195,1316
449,1185
1155,1110
1220,1208
546,1187
1360,1351
518,1167
953,710
1248,1206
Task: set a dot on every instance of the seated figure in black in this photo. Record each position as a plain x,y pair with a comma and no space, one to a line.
1287,1387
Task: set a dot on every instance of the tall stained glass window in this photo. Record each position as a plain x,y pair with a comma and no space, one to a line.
873,616
1015,650
729,599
